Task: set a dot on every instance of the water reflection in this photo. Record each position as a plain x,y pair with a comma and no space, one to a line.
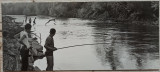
106,52
139,42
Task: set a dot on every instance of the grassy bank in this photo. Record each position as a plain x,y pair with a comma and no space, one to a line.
11,54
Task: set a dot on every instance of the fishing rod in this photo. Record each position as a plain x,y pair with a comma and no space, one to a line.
81,45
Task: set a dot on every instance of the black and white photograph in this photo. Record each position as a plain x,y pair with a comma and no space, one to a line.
52,36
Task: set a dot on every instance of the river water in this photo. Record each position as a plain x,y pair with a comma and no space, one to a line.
126,46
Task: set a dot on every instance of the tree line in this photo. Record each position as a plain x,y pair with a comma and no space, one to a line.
145,10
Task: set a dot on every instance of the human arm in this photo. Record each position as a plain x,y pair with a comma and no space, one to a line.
47,44
49,48
21,39
17,36
54,47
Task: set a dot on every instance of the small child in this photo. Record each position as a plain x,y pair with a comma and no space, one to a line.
49,45
34,22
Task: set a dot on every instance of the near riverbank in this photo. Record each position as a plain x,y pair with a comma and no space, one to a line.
11,47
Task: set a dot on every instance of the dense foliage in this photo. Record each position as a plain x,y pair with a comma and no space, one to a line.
146,10
11,55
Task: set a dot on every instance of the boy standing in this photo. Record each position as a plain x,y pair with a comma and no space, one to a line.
49,45
24,41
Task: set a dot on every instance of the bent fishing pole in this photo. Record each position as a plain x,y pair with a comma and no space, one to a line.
81,45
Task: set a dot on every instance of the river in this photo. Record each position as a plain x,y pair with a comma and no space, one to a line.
127,46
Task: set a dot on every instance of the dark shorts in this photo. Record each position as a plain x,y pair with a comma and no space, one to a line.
24,54
49,53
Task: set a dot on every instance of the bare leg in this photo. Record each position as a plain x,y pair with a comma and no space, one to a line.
50,63
54,22
46,23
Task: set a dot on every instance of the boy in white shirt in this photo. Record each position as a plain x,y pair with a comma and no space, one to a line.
24,41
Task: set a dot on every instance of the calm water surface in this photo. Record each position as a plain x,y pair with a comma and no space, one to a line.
129,46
